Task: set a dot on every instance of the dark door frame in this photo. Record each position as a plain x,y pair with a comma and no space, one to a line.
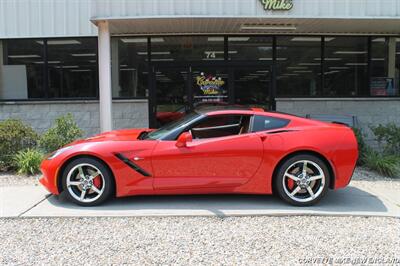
188,66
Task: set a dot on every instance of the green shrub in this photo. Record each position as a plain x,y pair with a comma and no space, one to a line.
14,137
362,146
389,137
28,161
63,132
385,164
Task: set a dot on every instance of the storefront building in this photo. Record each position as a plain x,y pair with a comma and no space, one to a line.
123,64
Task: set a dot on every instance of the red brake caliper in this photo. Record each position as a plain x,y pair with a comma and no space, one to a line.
97,182
290,183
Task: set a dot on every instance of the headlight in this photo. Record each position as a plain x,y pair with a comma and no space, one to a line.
58,152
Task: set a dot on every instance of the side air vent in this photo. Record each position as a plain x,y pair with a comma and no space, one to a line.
132,165
280,131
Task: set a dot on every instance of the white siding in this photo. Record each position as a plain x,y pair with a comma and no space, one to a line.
45,18
247,8
56,18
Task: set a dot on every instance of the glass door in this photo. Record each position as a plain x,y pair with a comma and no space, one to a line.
178,89
252,86
171,94
210,86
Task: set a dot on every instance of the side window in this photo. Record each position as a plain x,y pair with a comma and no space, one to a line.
262,123
219,120
221,126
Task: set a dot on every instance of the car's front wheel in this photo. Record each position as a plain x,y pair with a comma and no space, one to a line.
302,180
87,182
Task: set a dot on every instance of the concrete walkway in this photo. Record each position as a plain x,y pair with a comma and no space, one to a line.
357,200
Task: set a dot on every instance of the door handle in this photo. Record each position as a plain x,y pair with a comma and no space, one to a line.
138,158
263,137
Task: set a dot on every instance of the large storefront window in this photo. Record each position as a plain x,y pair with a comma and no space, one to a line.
379,56
384,73
187,48
250,48
396,72
171,94
346,66
253,86
298,66
129,67
235,69
21,69
72,67
48,68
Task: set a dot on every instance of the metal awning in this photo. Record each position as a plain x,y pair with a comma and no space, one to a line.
243,25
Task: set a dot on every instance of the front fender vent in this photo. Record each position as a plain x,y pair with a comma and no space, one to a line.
132,165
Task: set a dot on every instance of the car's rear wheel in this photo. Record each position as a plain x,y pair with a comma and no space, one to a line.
87,182
302,180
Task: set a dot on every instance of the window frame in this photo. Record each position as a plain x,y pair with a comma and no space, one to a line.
287,121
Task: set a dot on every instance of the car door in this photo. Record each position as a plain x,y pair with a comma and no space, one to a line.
215,162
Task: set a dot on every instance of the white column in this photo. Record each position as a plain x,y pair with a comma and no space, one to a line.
115,68
105,77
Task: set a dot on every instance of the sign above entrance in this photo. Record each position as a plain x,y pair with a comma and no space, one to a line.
277,5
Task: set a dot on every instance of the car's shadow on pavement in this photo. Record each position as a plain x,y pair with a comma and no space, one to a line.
348,201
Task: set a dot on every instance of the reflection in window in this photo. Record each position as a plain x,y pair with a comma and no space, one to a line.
346,66
379,64
129,67
72,65
250,48
184,48
252,86
171,94
221,126
298,66
21,69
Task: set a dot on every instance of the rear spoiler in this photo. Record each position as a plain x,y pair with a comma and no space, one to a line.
340,123
346,120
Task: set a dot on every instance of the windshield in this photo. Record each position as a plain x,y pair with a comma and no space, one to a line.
170,127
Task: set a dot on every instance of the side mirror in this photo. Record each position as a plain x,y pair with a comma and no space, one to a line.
183,139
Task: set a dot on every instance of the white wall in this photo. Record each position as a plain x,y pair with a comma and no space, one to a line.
56,18
45,18
246,8
14,83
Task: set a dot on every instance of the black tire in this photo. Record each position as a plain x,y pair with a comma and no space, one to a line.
321,185
107,181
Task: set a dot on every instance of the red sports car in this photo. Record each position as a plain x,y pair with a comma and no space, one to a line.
209,151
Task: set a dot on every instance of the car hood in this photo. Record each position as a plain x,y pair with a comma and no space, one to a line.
115,135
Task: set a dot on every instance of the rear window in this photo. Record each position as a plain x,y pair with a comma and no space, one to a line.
262,123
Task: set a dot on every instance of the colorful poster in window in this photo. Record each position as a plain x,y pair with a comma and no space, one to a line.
382,86
211,88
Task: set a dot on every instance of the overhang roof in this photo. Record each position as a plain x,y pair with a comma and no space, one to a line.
233,25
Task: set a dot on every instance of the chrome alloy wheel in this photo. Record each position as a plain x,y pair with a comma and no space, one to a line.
304,181
85,183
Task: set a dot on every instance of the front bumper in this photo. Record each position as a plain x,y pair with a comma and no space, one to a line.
49,176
